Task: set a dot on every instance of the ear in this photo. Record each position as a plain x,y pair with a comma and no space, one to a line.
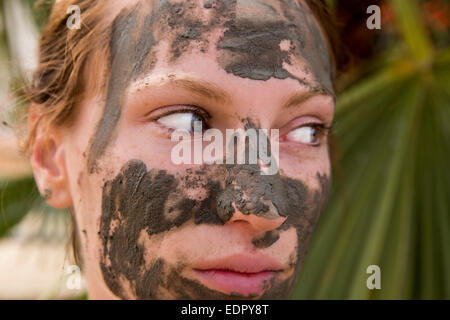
48,162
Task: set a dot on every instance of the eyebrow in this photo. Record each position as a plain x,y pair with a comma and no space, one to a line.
201,88
211,91
300,97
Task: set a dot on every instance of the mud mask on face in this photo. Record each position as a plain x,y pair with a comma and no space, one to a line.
146,202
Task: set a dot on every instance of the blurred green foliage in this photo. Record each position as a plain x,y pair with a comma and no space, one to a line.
17,197
391,200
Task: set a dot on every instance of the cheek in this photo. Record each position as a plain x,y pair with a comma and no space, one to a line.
85,189
78,142
87,209
138,141
303,164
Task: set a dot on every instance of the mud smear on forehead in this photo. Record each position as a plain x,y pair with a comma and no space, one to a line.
146,202
251,46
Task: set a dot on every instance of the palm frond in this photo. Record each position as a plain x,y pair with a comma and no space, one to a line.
16,199
391,201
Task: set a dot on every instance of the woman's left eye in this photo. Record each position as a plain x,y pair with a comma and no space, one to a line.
307,134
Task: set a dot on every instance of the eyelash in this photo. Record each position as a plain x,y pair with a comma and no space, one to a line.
321,129
204,115
187,108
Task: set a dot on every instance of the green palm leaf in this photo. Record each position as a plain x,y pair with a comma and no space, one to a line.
16,199
391,201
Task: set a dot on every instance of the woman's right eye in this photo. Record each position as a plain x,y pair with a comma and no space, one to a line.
182,121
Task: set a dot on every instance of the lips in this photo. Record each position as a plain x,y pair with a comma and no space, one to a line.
246,275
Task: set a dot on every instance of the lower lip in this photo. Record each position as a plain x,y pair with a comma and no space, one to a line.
229,282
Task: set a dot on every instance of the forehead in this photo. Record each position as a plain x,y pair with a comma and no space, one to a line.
258,37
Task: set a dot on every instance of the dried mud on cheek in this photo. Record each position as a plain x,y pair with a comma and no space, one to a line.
139,202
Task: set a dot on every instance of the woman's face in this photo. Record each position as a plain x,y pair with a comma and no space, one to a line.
151,228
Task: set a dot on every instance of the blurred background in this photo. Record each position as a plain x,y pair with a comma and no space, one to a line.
390,203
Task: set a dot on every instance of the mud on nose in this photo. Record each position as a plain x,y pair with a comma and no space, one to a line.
248,202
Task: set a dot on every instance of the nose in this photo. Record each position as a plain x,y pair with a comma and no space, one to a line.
268,221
